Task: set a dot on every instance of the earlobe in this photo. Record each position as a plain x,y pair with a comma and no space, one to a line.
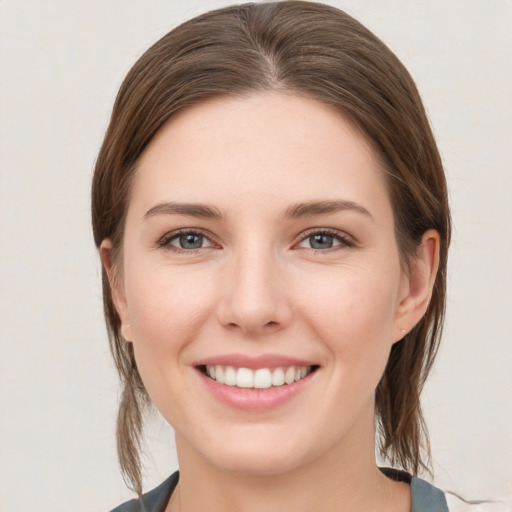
116,286
418,284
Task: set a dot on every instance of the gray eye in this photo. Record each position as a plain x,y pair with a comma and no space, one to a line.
321,241
190,241
186,241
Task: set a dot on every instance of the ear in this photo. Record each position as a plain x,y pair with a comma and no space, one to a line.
116,288
417,285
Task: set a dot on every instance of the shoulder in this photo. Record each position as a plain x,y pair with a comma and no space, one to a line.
457,504
153,501
426,497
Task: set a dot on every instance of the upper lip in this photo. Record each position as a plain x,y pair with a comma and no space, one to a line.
261,361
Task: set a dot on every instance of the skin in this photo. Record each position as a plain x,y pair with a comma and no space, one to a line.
256,286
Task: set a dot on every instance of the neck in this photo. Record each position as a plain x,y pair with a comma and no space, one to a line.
345,478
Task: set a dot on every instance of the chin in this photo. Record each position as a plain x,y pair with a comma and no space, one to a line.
258,464
253,452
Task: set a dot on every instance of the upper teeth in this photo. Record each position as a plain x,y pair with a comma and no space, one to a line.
262,378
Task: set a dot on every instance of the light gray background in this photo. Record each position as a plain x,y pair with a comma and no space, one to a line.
61,64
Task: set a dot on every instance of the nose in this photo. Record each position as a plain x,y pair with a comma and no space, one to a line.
254,295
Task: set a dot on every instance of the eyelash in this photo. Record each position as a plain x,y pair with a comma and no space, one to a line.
165,241
345,240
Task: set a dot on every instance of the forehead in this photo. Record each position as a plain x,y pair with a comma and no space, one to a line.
275,145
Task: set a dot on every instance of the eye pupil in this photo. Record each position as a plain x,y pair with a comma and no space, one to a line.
191,241
321,241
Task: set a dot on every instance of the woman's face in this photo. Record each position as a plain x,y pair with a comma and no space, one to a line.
259,249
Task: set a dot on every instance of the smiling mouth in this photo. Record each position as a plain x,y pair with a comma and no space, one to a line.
261,378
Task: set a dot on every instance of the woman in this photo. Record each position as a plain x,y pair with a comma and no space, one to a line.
271,213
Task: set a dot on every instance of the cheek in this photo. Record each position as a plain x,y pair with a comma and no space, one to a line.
353,314
352,301
165,303
167,308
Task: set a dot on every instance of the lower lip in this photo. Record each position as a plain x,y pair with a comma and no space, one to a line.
255,399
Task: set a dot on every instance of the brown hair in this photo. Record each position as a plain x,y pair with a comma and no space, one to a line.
315,51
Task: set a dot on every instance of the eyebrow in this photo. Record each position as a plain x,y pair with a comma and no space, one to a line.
294,211
312,208
190,209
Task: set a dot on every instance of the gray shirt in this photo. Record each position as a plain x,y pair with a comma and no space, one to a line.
425,497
